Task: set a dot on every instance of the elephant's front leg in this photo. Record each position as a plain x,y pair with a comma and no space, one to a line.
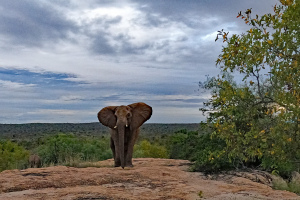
131,141
112,146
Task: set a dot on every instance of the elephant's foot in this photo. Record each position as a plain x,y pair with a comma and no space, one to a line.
129,164
117,163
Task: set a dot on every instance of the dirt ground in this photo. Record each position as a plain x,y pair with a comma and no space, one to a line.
148,179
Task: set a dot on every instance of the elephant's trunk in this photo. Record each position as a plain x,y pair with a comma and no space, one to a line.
121,133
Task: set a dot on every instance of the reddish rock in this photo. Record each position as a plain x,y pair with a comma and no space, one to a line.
148,179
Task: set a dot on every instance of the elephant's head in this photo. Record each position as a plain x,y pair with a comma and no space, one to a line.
120,118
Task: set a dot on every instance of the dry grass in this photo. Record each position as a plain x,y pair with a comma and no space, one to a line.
292,186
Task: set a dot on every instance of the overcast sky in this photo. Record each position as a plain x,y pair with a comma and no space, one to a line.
63,60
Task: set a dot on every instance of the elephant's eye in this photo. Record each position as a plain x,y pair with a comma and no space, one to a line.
128,115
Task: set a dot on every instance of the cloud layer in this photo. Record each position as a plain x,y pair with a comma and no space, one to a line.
62,61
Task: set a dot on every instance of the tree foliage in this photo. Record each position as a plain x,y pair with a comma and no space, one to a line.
259,119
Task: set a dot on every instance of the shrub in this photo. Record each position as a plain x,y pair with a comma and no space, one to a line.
145,149
12,156
202,149
67,148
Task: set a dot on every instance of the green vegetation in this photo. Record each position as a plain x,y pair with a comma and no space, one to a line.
259,119
67,148
145,149
12,156
200,149
81,148
257,122
27,132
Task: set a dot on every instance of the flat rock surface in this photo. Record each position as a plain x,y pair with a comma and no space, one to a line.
149,179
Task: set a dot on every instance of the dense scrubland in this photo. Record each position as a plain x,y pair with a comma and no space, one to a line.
251,124
68,144
36,130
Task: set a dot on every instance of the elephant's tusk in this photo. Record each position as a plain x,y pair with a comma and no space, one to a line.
115,126
126,125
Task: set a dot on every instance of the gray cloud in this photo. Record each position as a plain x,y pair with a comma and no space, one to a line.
33,23
100,44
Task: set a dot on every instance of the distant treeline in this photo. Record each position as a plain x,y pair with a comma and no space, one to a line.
32,130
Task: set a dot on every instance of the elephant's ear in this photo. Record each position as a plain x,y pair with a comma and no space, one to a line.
141,112
107,116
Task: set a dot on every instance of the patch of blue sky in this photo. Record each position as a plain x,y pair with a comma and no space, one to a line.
29,77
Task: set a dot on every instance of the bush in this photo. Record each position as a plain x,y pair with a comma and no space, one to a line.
145,149
202,149
12,156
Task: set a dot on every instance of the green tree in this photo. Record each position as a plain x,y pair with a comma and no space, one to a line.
260,119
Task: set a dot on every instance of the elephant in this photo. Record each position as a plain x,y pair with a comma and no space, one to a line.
124,122
35,161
